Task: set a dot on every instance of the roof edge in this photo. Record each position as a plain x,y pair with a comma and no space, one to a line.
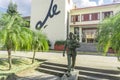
96,6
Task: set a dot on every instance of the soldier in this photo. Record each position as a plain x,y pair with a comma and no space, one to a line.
75,45
70,45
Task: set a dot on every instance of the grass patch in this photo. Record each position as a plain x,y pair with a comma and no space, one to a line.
18,64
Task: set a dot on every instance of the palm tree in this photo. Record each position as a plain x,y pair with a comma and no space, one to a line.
109,34
13,34
40,43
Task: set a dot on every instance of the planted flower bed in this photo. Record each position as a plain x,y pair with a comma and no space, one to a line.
59,45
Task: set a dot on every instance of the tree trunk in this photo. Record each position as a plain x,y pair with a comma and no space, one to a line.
9,59
118,56
33,59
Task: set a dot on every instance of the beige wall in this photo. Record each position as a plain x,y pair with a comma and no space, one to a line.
91,24
115,8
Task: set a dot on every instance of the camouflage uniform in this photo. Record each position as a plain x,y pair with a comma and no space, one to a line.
70,45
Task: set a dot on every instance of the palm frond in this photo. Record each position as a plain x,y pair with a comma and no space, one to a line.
109,35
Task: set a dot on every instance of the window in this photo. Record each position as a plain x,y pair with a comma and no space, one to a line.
85,17
107,14
75,18
95,16
91,16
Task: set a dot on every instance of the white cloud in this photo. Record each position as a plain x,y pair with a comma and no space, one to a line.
87,3
4,3
84,3
100,2
24,6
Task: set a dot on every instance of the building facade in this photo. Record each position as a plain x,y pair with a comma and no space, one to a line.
51,17
84,21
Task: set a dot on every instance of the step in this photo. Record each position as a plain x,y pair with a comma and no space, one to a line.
50,71
81,72
88,47
61,73
85,73
84,77
99,75
55,64
53,67
98,70
86,68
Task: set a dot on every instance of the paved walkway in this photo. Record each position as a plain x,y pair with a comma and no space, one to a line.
93,61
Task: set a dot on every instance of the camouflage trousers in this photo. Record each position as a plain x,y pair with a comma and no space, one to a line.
71,58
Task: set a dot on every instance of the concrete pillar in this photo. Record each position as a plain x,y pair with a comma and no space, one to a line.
80,34
101,16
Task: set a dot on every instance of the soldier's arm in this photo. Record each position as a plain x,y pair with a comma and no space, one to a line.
65,46
78,44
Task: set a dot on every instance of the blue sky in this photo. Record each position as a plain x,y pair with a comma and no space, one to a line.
24,6
87,3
